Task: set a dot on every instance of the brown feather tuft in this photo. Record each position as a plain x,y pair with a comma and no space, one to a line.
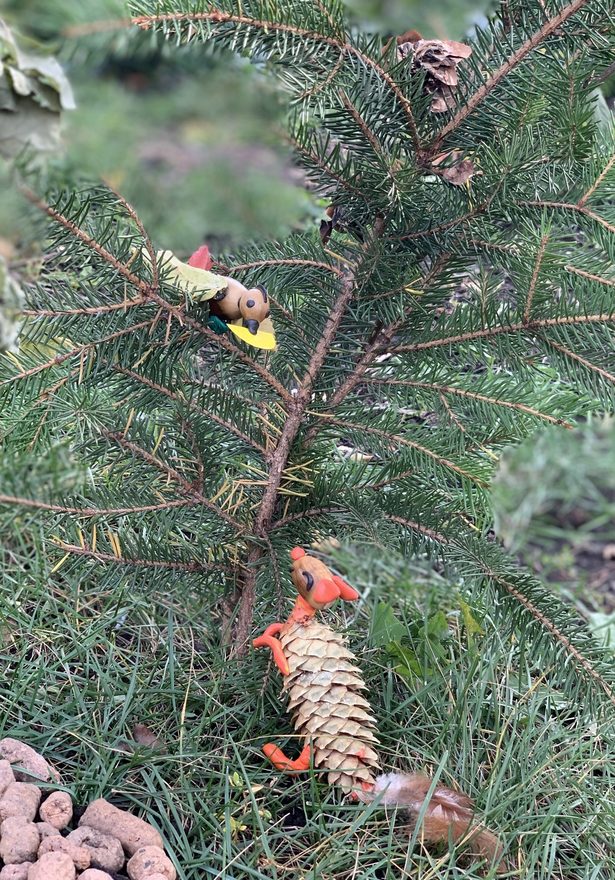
449,814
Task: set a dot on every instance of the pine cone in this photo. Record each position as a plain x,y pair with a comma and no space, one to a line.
439,59
323,686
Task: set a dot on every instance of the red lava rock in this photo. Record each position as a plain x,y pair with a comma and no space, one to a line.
53,866
57,809
79,854
19,840
6,775
150,860
15,872
34,764
132,832
20,799
93,874
46,830
105,851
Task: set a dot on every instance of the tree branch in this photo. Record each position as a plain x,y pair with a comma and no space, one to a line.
95,311
173,474
279,458
223,342
148,290
569,206
380,339
521,327
534,280
417,527
149,247
361,123
610,377
548,28
327,267
403,441
79,233
315,160
139,563
472,395
608,282
592,189
182,401
219,17
545,622
15,501
304,514
78,350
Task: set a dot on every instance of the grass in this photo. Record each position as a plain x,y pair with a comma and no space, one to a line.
554,500
83,664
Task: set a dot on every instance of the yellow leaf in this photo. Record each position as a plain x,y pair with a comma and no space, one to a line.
158,441
197,283
263,338
115,544
11,356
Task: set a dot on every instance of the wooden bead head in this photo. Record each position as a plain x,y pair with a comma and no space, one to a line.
316,583
237,301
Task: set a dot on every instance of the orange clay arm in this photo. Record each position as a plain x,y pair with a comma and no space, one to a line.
281,762
268,640
347,592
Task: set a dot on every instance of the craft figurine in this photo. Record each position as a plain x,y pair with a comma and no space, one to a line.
233,307
324,688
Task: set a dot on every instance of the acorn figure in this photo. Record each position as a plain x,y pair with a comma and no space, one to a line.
233,307
238,302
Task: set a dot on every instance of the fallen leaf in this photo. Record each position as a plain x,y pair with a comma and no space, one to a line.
33,92
146,737
326,228
460,173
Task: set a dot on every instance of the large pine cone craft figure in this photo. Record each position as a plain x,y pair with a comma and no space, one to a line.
324,688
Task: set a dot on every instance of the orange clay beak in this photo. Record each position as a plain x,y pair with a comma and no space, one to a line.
325,591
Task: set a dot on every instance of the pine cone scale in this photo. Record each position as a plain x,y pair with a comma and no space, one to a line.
323,687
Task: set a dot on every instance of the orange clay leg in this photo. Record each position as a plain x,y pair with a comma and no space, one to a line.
268,640
281,762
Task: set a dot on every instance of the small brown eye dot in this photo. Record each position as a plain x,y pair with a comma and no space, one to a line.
250,303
